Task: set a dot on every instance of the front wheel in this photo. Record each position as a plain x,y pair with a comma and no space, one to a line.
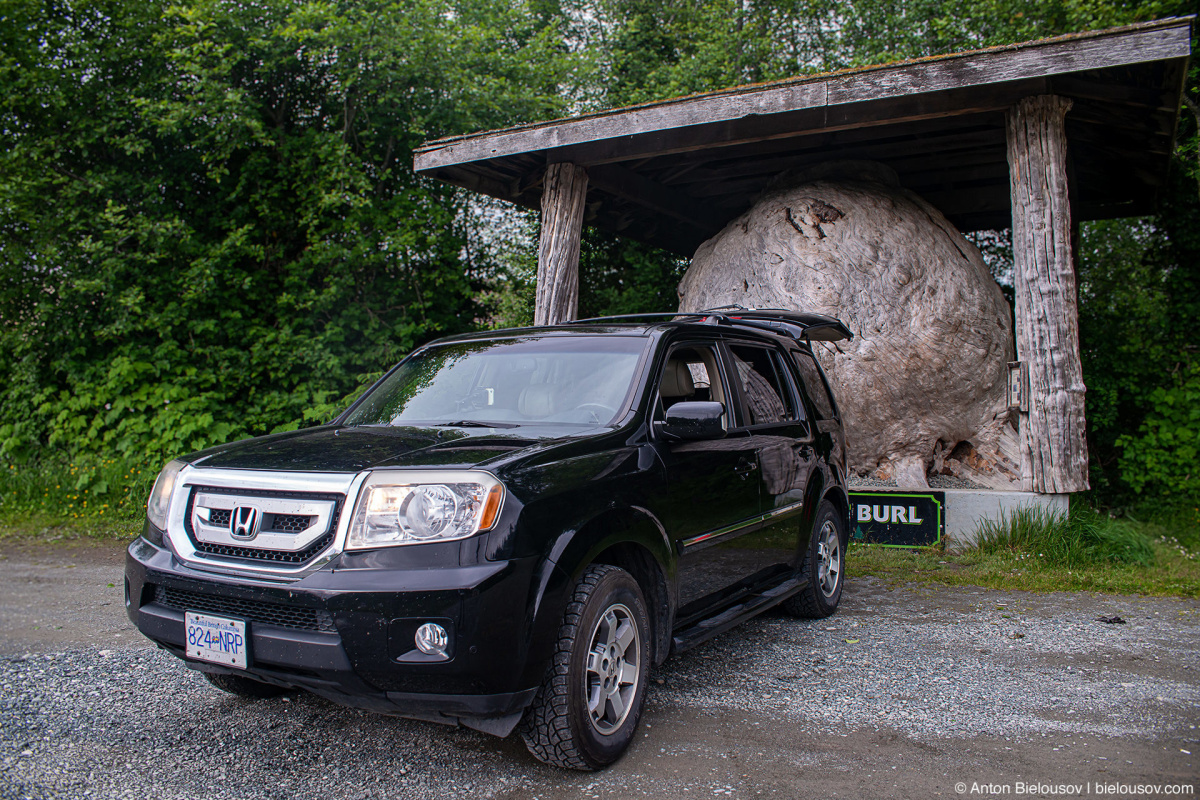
587,709
824,566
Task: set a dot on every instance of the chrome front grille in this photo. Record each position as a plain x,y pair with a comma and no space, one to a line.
285,528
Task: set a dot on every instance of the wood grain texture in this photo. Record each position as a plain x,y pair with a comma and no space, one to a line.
629,185
996,67
1053,442
564,190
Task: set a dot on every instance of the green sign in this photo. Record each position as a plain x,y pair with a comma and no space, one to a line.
897,519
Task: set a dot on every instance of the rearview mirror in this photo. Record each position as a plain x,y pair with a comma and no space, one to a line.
695,419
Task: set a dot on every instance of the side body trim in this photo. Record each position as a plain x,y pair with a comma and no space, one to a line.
720,534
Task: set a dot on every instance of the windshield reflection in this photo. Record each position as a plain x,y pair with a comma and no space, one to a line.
580,380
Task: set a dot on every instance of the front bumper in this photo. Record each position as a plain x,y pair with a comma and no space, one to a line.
346,633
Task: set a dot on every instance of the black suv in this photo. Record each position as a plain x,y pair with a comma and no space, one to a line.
511,527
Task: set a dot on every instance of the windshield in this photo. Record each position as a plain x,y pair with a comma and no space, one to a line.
581,380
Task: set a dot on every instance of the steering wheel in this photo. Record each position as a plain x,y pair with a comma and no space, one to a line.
609,413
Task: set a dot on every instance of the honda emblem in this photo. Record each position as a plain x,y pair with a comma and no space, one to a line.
243,523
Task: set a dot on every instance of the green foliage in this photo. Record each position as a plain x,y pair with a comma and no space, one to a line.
210,229
621,276
652,50
1164,455
1139,322
1066,540
209,225
110,493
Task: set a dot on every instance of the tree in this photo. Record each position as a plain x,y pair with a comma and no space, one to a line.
209,224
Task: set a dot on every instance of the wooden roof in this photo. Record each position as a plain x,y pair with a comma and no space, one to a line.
674,173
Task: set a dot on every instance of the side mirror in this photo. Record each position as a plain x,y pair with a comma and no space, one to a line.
695,419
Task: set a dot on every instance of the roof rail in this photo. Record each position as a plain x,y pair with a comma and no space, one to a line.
796,324
651,315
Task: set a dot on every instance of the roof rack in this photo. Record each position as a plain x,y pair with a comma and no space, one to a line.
796,324
651,315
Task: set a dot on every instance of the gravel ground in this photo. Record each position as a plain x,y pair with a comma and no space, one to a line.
901,694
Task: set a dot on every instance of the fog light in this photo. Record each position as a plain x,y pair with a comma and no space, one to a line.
431,639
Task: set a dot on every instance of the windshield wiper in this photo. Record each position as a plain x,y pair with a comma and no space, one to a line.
472,423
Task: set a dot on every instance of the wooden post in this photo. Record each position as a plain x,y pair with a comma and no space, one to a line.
564,189
1053,445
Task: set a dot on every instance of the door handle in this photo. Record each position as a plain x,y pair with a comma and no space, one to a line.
745,467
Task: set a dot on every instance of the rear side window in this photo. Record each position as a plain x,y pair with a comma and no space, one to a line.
814,384
760,375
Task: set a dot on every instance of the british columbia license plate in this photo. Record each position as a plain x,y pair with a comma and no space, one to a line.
219,640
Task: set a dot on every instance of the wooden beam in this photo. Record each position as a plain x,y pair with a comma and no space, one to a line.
1052,432
564,191
935,149
828,97
637,189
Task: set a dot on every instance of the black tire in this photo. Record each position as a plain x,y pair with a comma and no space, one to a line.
558,727
246,688
821,596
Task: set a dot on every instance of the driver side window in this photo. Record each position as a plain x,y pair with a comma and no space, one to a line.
691,372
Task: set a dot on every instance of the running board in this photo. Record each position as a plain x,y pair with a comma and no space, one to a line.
705,629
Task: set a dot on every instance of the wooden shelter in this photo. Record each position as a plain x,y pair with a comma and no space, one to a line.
1035,136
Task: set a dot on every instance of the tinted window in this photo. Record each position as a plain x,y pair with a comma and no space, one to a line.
763,386
817,391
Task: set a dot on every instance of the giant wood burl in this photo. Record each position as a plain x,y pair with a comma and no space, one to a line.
926,369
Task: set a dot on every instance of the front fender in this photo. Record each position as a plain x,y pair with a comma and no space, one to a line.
626,531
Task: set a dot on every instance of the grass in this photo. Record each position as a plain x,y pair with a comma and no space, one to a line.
1042,552
1082,538
59,499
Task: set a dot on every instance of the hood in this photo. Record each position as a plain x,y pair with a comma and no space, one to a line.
339,449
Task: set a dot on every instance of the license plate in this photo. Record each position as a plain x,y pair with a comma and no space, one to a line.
219,640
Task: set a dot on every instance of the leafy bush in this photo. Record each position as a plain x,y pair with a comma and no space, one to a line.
1076,539
209,223
1164,457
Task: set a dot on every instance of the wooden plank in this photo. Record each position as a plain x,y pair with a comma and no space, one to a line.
976,145
1052,431
642,191
884,148
930,129
961,178
987,68
563,195
986,197
1092,87
1040,60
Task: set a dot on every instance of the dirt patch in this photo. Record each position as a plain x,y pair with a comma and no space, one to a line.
62,595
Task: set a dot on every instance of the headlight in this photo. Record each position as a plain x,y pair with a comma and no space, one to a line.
159,504
393,510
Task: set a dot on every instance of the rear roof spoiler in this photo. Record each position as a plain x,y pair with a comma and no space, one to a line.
797,324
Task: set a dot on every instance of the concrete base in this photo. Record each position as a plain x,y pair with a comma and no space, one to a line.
966,508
